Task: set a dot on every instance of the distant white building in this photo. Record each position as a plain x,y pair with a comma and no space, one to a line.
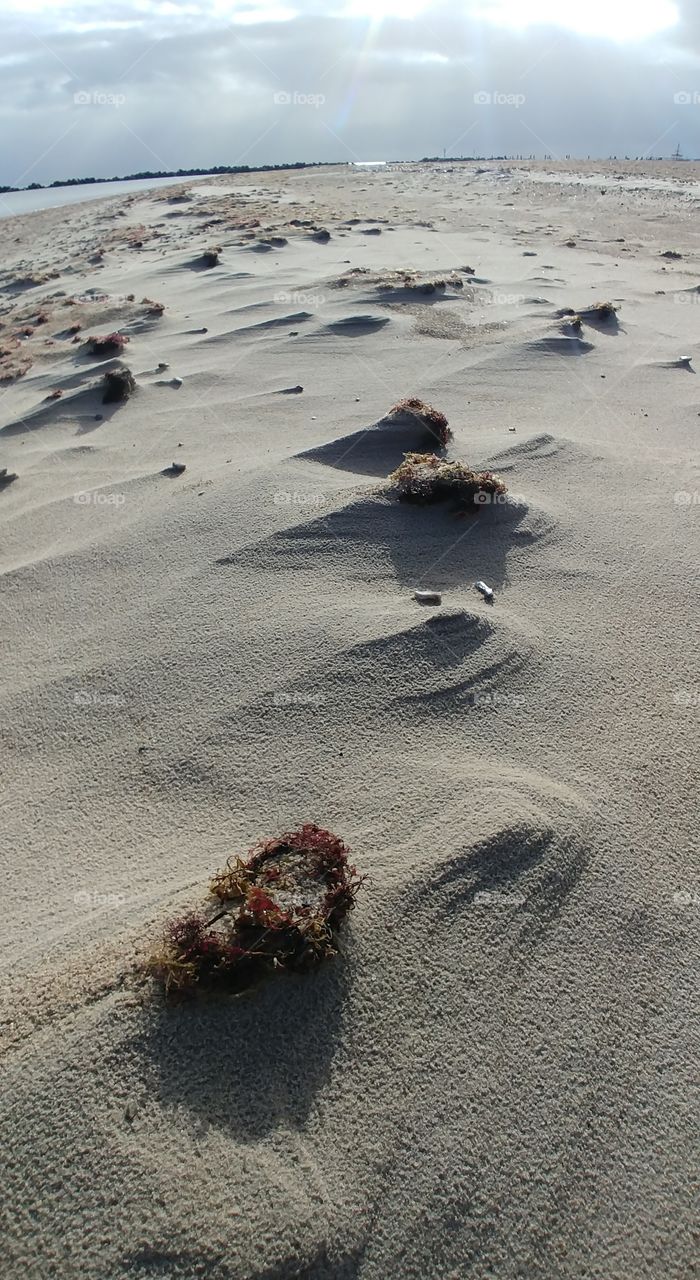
368,164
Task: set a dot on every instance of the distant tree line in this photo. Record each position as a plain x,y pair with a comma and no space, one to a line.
170,173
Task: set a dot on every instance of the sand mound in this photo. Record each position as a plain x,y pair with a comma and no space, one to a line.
562,345
186,1085
537,448
355,326
262,327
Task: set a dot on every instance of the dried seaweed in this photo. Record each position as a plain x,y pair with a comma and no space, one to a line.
277,909
425,415
425,477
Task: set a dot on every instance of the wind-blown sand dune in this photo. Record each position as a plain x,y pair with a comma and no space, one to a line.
496,1075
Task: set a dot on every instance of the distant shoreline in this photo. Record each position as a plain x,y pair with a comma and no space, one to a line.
222,169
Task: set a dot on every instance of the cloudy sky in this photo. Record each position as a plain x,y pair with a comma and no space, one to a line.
165,84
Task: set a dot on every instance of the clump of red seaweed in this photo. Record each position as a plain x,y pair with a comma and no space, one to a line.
111,344
13,364
278,909
154,308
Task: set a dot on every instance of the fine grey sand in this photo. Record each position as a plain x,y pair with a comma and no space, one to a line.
497,1077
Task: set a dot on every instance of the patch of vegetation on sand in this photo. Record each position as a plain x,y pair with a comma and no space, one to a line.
119,384
13,363
425,477
604,311
211,257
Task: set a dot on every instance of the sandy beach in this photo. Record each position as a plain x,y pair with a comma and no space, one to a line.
497,1075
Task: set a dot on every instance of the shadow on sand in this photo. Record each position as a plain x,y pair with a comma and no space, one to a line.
432,547
249,1063
85,410
527,870
375,450
149,1263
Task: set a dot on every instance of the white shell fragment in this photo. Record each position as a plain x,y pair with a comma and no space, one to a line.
487,592
427,597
